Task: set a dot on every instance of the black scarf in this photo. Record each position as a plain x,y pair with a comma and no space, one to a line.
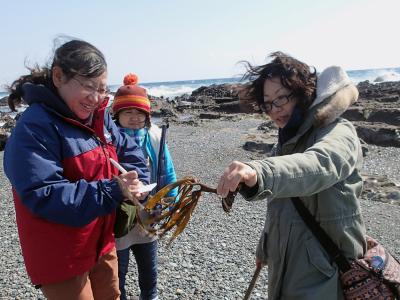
290,129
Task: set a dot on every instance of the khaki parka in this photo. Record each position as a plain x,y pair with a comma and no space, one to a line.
321,165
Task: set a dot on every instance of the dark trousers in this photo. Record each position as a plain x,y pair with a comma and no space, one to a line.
146,260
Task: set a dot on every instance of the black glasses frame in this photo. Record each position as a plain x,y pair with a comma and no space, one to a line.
277,102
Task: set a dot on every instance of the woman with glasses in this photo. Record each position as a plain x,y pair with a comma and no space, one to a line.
317,161
131,109
58,162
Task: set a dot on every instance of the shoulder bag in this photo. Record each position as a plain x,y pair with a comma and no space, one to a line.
374,276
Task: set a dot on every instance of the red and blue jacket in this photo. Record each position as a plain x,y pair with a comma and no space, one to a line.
64,195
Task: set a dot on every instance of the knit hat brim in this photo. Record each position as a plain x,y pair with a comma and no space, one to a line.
131,101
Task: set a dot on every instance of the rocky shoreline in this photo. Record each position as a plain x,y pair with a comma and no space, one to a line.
214,256
376,114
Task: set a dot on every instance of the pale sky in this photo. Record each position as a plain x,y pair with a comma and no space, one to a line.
168,40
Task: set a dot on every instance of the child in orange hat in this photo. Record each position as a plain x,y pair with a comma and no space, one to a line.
131,110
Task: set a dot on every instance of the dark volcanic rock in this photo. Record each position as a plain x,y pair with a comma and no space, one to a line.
3,101
379,134
259,147
4,135
161,107
376,115
6,129
209,116
369,91
218,98
388,115
216,91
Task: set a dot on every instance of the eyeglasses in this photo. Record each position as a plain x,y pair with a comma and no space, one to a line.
92,90
277,102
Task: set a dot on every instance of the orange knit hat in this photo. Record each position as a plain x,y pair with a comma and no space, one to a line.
130,95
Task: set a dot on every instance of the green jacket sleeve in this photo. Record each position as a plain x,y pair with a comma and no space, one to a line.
331,159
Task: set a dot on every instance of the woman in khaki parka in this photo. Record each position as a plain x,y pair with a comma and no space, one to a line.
317,158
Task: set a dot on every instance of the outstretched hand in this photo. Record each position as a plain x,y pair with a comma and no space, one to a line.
233,175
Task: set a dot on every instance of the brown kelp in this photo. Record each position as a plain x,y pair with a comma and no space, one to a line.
162,214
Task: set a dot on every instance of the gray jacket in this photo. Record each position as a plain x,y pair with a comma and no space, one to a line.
321,165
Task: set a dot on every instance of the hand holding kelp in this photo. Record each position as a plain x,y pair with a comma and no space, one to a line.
173,213
162,213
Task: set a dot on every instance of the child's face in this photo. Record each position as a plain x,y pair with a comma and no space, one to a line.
132,118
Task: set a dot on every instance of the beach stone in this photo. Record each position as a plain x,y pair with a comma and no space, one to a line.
179,291
381,188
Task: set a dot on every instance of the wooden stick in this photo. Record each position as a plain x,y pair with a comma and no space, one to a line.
252,282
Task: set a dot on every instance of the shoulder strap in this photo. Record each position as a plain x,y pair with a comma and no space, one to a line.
155,136
330,247
326,242
161,153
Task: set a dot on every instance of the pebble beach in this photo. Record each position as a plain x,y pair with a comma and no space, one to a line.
214,258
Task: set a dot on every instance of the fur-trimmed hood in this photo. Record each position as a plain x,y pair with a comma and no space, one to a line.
335,94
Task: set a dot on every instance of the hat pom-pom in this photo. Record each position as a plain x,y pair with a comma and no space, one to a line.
130,79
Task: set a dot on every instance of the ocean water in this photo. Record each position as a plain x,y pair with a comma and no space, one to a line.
176,88
170,89
384,74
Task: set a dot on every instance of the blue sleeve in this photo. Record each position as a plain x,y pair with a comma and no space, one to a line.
33,164
130,155
170,175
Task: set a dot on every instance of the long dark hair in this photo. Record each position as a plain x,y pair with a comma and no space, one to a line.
75,57
295,75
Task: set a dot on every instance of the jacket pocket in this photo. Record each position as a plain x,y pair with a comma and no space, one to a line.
319,259
125,219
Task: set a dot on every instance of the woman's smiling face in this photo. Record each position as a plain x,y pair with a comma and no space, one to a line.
82,95
278,101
